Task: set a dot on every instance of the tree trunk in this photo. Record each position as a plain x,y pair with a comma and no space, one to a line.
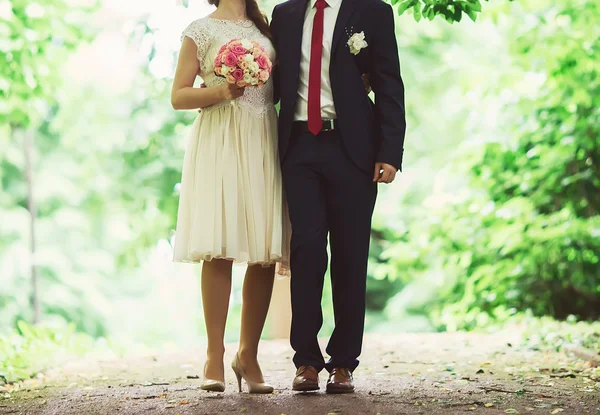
29,148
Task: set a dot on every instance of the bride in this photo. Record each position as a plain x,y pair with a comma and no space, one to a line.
231,207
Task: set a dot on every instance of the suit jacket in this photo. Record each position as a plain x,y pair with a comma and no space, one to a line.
370,132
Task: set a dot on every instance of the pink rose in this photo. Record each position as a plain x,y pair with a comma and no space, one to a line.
230,79
263,61
238,74
222,49
230,59
238,50
263,76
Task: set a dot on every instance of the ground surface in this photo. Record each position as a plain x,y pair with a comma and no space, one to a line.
399,374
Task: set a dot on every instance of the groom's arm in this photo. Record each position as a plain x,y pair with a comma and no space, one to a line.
276,74
388,87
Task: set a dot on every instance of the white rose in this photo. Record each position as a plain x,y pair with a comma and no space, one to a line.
249,58
247,44
254,81
253,67
248,78
225,70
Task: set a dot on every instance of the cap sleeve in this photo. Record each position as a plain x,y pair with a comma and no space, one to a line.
198,32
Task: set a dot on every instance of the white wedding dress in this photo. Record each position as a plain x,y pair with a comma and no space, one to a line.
232,205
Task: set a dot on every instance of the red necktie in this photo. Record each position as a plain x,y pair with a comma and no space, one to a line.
315,123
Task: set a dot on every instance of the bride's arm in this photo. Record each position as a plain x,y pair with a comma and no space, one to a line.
183,94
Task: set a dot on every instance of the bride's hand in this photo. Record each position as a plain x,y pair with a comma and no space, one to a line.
366,78
228,92
232,91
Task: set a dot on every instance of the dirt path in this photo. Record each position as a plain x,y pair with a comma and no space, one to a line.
399,374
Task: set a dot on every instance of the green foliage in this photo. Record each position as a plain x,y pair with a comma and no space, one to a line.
526,235
510,258
549,334
450,10
36,40
31,349
555,163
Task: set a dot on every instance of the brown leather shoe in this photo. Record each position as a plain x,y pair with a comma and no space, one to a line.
307,379
340,381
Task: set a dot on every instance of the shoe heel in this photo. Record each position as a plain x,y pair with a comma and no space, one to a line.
252,386
238,377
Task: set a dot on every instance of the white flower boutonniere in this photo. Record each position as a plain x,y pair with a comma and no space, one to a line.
357,42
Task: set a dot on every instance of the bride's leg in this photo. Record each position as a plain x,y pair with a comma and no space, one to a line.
258,287
216,290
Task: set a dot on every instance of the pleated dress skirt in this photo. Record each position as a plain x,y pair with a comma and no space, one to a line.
231,203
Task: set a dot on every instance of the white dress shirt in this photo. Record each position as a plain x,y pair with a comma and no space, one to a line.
327,106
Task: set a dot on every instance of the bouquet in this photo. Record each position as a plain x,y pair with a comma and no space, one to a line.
244,63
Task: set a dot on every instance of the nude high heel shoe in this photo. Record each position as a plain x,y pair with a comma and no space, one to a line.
253,387
212,385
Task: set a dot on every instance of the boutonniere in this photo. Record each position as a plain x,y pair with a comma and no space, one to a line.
357,42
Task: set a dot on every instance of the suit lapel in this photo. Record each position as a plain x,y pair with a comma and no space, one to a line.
346,9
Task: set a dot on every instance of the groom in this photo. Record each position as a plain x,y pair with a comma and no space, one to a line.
335,146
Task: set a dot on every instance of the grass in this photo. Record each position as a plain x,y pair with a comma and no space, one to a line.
28,350
546,333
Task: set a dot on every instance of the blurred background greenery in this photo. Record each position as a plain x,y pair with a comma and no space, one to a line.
495,218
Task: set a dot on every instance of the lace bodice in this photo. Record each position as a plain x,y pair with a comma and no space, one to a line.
209,35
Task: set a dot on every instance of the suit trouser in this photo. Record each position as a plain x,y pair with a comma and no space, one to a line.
327,196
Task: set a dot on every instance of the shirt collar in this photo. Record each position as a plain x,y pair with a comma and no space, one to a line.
332,3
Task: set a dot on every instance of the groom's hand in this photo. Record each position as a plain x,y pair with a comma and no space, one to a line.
384,173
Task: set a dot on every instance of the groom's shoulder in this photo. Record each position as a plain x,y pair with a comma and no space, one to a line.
287,5
376,4
375,9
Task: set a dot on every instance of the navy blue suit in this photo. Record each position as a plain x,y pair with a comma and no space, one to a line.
328,177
